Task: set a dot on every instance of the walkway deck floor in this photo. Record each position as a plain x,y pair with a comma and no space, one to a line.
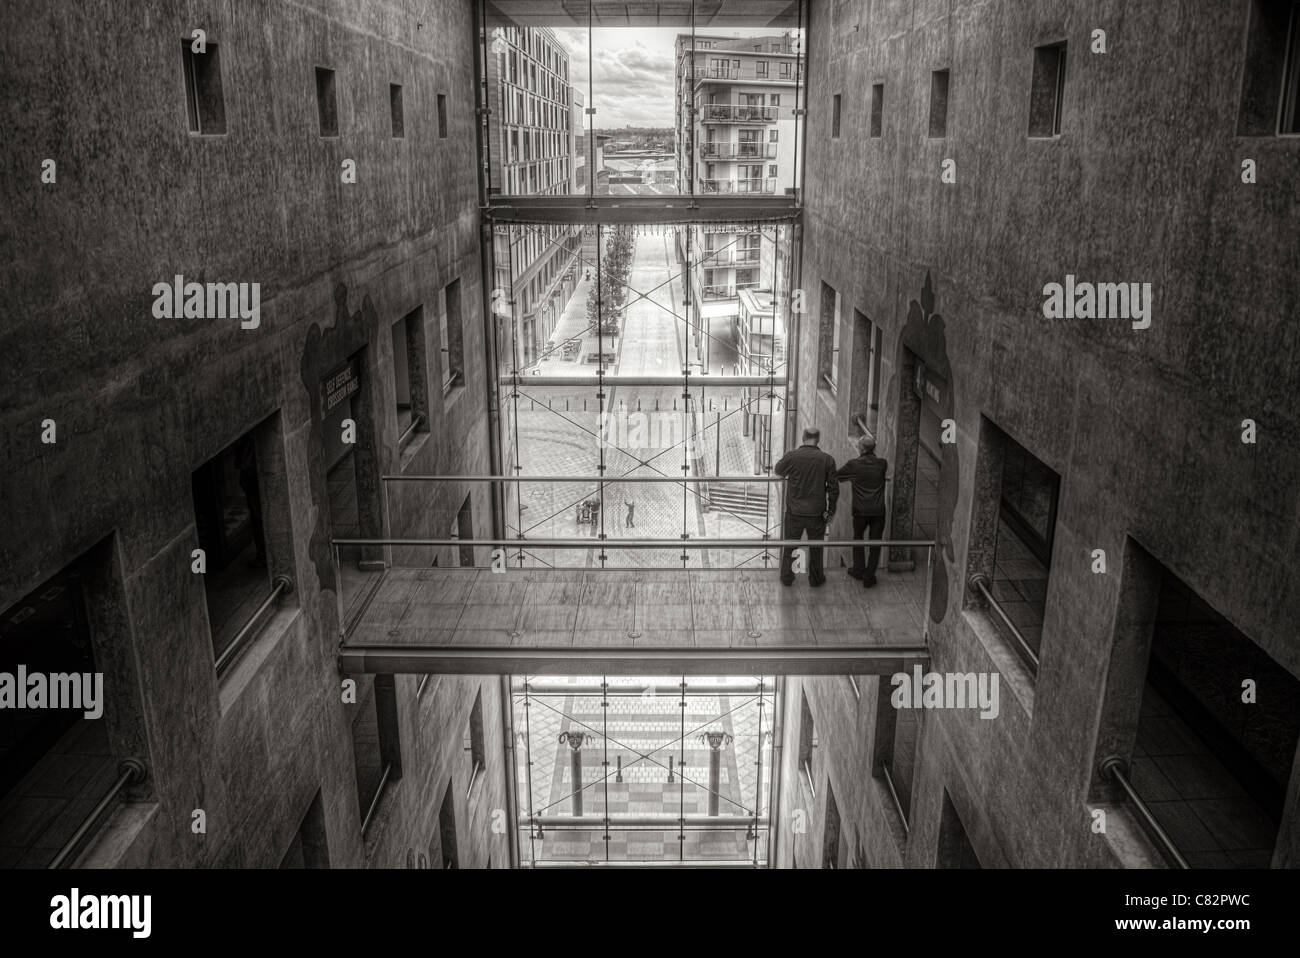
605,621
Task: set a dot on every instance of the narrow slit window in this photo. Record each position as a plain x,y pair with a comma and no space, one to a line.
939,104
326,103
395,109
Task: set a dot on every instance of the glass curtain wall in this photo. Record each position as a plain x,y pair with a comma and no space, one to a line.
638,376
675,103
625,769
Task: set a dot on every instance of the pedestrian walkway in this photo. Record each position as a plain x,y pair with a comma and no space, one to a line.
569,343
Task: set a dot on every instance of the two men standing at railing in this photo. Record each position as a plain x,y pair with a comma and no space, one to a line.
811,493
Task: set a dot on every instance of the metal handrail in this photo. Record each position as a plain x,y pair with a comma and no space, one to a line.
631,691
860,421
590,543
643,821
893,793
374,802
474,776
605,479
416,420
1113,767
130,772
979,582
713,863
736,113
700,379
738,151
835,387
283,585
806,768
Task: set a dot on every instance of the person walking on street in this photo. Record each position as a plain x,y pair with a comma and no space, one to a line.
866,473
811,492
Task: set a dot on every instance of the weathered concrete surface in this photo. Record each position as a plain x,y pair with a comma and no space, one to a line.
140,402
1143,426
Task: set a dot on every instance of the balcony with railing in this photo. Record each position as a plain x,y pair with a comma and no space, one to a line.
730,257
726,113
738,151
758,184
748,73
725,291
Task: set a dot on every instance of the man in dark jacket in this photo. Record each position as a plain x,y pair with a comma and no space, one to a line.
810,496
867,474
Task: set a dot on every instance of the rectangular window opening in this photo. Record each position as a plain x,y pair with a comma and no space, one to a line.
409,380
1213,770
1047,93
475,751
450,337
375,743
894,756
231,501
55,763
204,102
1270,88
807,742
1021,526
877,109
830,339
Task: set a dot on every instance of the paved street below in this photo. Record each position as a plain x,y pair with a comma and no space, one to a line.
639,431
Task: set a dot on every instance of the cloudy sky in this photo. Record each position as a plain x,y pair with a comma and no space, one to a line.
633,73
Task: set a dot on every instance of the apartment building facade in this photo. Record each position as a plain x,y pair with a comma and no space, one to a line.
737,130
534,130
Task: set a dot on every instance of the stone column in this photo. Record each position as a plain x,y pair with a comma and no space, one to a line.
715,742
574,741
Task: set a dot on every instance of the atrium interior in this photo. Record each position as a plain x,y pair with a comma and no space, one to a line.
411,462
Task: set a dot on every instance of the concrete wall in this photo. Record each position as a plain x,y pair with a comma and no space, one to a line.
1142,425
140,402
